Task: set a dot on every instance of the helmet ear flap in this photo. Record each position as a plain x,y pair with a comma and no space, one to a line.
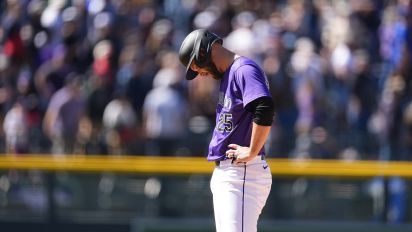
202,56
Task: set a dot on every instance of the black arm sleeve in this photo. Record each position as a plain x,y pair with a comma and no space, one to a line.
263,110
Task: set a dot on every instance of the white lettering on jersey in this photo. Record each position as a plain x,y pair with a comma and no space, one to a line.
225,102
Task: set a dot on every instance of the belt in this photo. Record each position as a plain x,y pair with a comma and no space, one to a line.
218,162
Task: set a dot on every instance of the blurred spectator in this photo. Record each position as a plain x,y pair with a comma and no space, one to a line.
16,129
61,121
99,89
120,125
364,21
242,40
50,76
160,37
165,114
308,88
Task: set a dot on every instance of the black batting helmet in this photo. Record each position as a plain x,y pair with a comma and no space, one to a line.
197,47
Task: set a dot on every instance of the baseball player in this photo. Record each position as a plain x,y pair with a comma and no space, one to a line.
241,180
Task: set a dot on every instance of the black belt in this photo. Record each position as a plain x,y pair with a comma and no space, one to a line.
217,162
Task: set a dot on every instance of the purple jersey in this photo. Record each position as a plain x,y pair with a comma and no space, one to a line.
242,83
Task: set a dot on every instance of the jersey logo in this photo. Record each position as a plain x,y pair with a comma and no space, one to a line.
225,102
225,123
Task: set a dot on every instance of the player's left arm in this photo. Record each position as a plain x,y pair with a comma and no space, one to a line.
263,112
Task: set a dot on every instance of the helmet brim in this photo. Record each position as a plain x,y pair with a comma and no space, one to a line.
190,74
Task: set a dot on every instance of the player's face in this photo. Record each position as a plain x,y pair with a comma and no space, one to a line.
205,71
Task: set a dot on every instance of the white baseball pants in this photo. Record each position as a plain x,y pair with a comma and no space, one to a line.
239,194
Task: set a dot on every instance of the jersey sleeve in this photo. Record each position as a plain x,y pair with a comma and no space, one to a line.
252,83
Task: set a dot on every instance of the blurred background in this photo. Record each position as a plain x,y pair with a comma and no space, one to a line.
102,77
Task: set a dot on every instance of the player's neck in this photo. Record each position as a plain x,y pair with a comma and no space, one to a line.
223,58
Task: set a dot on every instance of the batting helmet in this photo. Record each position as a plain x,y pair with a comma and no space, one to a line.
197,47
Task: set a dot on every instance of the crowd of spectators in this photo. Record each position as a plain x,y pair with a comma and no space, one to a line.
103,76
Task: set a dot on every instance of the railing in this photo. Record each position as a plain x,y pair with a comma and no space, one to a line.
199,165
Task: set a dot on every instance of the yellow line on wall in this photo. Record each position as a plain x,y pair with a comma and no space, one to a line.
199,165
123,164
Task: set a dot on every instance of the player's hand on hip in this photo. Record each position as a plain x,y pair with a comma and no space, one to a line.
239,154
